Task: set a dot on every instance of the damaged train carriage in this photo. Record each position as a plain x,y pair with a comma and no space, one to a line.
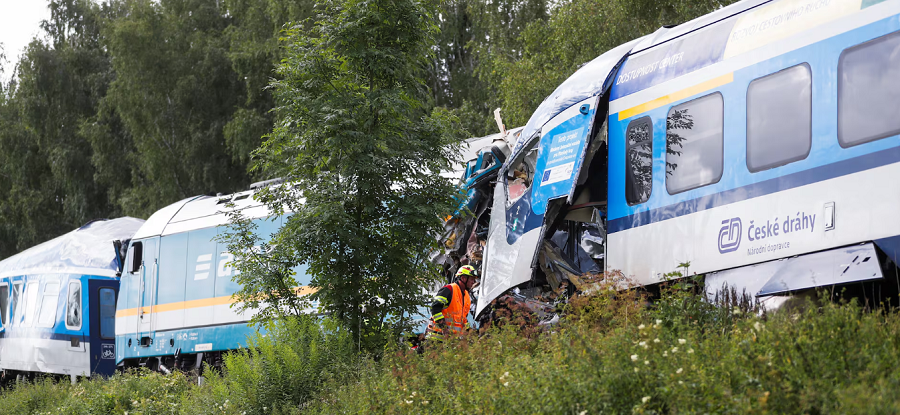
752,143
58,302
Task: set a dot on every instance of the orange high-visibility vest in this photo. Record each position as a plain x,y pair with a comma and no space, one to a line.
457,312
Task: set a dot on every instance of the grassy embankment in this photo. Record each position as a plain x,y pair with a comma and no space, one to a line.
611,355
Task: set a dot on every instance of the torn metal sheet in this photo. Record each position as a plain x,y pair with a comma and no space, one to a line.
836,266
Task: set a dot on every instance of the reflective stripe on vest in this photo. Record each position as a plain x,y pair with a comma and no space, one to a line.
457,312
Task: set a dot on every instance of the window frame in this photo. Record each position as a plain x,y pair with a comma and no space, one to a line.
100,312
29,322
628,147
80,303
838,86
12,313
747,123
4,317
532,145
137,257
721,172
40,310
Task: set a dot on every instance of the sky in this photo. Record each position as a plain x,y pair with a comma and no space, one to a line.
19,23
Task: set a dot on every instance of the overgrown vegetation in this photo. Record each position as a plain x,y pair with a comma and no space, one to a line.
613,353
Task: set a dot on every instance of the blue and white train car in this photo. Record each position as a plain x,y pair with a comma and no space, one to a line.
756,143
58,302
175,307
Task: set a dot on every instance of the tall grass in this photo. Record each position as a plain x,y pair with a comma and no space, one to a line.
614,353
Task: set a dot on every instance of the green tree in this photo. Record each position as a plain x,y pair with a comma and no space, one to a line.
354,138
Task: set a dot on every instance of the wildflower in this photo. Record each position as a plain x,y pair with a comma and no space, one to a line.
641,327
682,341
645,399
646,362
665,354
634,358
408,402
757,326
674,350
413,394
655,340
678,371
636,370
425,402
680,382
690,351
582,413
505,383
658,321
643,344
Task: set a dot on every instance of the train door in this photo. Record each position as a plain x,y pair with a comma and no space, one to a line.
147,291
102,296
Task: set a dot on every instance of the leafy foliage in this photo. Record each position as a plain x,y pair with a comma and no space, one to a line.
355,139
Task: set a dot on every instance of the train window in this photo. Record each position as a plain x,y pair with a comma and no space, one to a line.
520,175
73,306
49,301
137,257
868,91
638,160
107,313
14,296
694,143
779,118
30,302
4,302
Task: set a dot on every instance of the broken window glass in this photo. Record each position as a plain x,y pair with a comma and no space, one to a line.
73,306
520,176
49,301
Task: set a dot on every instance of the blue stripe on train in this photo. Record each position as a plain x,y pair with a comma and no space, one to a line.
778,184
189,340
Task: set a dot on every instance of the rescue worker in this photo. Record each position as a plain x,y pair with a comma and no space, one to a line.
450,308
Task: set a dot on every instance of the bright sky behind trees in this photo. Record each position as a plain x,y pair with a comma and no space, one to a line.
19,23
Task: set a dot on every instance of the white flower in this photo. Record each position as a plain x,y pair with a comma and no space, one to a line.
408,402
736,311
582,413
690,351
655,340
665,354
757,326
505,374
682,341
634,358
680,382
646,362
641,327
505,383
645,399
674,350
636,370
643,344
658,321
425,402
678,371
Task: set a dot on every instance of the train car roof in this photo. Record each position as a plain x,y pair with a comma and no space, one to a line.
200,212
87,250
596,76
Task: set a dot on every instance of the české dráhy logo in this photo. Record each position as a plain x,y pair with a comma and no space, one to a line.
730,235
